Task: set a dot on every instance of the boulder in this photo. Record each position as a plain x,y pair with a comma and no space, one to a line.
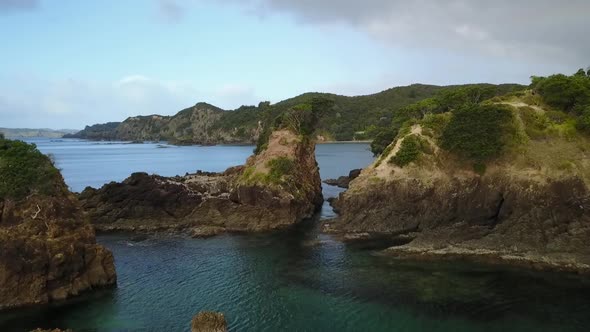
344,181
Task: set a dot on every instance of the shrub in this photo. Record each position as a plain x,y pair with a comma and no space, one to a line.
567,93
583,123
410,150
436,123
25,170
536,123
477,131
279,167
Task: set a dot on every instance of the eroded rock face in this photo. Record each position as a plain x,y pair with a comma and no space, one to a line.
548,222
48,252
243,198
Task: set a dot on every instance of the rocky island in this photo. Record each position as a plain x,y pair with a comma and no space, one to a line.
277,187
48,250
500,180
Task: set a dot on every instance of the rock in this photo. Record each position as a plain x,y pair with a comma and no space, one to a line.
207,321
138,238
344,181
206,231
440,208
243,198
48,249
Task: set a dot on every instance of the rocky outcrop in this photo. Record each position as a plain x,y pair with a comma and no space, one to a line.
344,181
48,250
207,321
274,189
526,209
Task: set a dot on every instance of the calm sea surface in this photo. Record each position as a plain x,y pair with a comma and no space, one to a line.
296,280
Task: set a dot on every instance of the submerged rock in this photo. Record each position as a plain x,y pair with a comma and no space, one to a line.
276,188
48,250
207,321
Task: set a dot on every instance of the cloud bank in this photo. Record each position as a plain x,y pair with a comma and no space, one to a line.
531,30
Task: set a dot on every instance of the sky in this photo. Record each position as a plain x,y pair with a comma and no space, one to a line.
71,63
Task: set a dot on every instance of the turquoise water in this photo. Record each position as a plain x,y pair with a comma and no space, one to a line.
296,280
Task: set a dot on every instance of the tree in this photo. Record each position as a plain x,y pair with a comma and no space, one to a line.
583,123
580,72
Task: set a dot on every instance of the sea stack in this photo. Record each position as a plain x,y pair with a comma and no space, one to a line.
278,186
48,250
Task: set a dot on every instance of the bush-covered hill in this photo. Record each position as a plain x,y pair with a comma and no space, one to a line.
350,118
478,124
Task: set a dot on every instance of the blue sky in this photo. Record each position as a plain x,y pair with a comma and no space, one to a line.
65,64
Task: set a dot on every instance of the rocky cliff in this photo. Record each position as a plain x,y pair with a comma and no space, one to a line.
48,250
530,205
277,187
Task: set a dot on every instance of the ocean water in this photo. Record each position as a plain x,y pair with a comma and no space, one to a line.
293,280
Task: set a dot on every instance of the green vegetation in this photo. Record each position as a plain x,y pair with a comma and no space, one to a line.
479,122
569,94
382,139
583,123
477,131
301,119
24,170
446,100
347,118
410,150
280,169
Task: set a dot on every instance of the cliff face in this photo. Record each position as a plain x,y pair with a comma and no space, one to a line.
261,195
48,249
530,207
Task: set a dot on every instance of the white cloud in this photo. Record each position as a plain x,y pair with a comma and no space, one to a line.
525,30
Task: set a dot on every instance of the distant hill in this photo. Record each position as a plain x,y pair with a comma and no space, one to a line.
28,132
350,118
